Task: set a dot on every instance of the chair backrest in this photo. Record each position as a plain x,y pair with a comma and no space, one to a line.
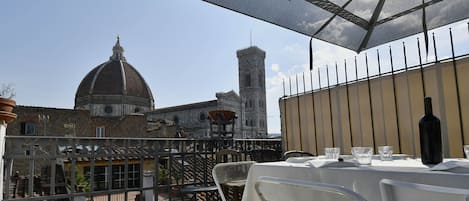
227,155
265,155
224,173
296,153
280,189
393,190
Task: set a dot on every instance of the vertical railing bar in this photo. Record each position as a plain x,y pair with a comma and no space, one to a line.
395,100
381,94
92,165
405,56
455,71
73,167
141,170
285,116
371,102
299,112
304,84
330,106
156,157
379,64
347,87
297,88
434,47
337,75
52,168
170,166
314,112
421,68
289,80
358,101
126,167
109,168
284,94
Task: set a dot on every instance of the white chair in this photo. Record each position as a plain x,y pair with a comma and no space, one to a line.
230,179
280,189
392,190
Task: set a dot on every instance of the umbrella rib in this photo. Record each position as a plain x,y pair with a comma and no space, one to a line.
331,18
371,24
407,12
334,8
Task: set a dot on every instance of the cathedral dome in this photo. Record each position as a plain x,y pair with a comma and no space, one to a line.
114,88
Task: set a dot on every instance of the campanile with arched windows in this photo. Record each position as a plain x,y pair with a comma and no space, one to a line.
252,92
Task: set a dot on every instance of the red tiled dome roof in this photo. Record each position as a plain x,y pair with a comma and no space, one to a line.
115,77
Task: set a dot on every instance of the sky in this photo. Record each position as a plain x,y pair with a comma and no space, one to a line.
184,49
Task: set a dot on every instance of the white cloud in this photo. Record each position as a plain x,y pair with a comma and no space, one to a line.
275,67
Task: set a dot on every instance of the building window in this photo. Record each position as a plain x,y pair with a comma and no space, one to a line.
202,116
176,119
247,122
247,80
108,109
100,131
28,128
118,176
137,110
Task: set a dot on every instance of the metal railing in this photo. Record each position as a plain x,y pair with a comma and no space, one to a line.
61,168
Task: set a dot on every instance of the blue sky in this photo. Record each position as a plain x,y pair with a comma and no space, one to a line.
185,49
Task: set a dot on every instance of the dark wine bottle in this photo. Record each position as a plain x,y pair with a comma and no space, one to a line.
430,136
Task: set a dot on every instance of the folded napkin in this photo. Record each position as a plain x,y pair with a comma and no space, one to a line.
330,163
301,159
459,166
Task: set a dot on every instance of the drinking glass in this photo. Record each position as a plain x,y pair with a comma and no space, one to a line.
332,152
466,150
362,155
385,153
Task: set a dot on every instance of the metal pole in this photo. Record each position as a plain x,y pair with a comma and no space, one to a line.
371,101
395,101
314,113
348,103
330,105
304,84
455,71
299,112
434,47
421,68
284,99
405,56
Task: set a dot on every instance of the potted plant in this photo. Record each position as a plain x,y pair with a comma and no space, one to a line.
7,103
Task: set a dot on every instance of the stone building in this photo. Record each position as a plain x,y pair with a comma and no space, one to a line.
192,119
113,100
114,89
252,91
249,105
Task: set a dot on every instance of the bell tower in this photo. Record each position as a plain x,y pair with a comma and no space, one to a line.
251,69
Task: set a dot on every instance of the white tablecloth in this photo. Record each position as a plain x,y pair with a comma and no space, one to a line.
363,179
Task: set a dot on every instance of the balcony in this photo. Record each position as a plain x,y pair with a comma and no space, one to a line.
60,168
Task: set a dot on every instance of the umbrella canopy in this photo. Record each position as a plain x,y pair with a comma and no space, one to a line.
353,24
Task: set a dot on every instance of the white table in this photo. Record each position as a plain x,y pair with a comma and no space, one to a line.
363,180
